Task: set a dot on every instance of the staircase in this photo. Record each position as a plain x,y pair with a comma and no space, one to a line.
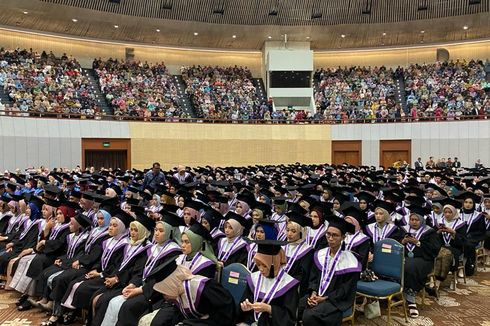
400,96
94,82
260,88
185,101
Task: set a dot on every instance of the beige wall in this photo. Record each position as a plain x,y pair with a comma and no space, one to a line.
400,56
227,145
85,51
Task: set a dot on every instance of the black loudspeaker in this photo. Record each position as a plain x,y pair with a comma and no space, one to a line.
442,55
129,54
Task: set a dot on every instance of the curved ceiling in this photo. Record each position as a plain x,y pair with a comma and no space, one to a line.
246,24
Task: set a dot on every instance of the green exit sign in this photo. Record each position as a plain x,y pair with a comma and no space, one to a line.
106,144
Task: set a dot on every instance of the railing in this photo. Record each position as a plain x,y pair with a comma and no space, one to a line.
53,115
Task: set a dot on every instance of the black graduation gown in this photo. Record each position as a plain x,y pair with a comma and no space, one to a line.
28,241
131,273
341,293
87,260
240,255
421,264
4,223
85,291
215,302
66,260
133,308
300,270
455,245
361,250
284,307
52,249
396,234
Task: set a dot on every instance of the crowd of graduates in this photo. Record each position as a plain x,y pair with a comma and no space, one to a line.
125,249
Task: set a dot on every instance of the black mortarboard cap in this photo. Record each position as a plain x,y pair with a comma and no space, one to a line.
194,204
200,230
213,217
415,200
353,210
123,216
422,211
342,225
384,204
83,220
171,218
299,218
240,219
363,195
88,195
162,272
147,222
269,247
467,194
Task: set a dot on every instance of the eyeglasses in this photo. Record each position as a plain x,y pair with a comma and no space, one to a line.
332,235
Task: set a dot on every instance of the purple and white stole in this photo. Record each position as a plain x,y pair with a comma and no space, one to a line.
132,251
189,301
328,270
110,246
318,233
74,240
269,295
350,240
57,229
471,218
29,227
418,234
157,253
252,250
223,253
94,235
447,236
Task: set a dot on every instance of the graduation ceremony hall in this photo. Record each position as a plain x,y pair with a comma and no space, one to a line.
244,163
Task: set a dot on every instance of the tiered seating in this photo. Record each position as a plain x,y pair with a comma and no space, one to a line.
223,92
356,93
37,83
137,89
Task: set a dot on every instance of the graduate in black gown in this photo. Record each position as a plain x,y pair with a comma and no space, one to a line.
130,270
5,213
138,298
299,254
271,298
475,229
233,248
191,300
264,229
80,290
422,246
358,243
333,280
81,265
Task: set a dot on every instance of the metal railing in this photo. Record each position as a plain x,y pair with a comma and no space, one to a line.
105,117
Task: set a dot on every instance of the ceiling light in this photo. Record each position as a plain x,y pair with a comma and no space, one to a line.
384,34
196,33
342,36
269,37
74,20
157,30
422,32
116,26
26,12
307,37
234,36
465,27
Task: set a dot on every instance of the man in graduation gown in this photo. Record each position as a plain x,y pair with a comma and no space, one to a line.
333,280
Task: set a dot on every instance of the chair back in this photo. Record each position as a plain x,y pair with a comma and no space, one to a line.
388,261
234,279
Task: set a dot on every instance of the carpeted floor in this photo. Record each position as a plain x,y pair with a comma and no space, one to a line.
467,306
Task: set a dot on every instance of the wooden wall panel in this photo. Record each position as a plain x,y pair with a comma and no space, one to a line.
347,151
393,150
115,145
225,145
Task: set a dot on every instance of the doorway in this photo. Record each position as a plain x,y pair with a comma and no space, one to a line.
108,153
392,151
347,151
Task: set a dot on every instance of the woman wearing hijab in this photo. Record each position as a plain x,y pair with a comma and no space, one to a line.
358,243
81,289
365,199
191,214
333,280
139,297
211,220
197,253
475,229
383,227
243,207
271,297
14,225
5,214
79,228
452,232
47,250
130,270
436,216
32,232
299,254
259,211
315,236
191,300
233,248
421,248
264,229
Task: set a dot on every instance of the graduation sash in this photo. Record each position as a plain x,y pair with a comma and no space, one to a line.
223,253
73,242
157,253
110,246
189,300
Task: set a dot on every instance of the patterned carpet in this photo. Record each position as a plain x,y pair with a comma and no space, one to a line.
468,305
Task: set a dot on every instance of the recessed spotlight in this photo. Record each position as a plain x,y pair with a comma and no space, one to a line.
269,37
116,26
384,34
196,33
26,12
307,37
157,30
234,36
342,36
74,20
465,27
422,32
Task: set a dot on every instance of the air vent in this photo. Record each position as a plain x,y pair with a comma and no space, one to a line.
273,12
316,15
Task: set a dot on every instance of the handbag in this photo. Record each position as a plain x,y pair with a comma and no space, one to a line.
368,276
372,310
